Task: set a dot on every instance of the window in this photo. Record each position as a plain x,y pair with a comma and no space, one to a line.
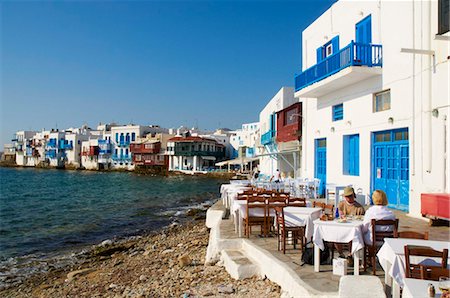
117,137
133,136
443,16
382,101
338,112
291,117
351,155
328,49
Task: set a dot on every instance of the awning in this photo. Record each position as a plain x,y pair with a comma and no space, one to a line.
208,157
237,161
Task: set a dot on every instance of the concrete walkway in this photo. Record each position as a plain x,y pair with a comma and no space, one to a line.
322,283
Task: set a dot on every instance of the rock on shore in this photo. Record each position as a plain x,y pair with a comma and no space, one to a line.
169,264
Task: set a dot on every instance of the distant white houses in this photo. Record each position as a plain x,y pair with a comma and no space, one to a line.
375,99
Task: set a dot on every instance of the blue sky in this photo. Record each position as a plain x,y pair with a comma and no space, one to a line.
172,63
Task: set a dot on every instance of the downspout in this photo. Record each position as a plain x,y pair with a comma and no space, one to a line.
413,125
429,164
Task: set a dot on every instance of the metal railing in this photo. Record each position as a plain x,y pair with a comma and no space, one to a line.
267,137
354,54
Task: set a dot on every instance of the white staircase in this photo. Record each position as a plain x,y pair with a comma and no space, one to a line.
238,265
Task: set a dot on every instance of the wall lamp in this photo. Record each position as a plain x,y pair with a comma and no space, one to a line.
291,117
390,120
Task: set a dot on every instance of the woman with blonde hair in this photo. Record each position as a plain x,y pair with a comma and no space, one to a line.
378,211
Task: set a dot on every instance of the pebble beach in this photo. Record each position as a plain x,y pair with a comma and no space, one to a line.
170,263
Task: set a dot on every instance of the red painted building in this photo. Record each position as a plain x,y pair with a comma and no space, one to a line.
148,153
289,124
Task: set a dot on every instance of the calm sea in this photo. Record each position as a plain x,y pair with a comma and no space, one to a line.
43,212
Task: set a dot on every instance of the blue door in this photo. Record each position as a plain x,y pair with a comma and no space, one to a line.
363,38
390,166
320,164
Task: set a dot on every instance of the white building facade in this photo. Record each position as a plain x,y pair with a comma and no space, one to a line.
268,149
375,96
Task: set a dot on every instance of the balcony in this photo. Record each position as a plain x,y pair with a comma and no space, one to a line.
66,146
153,148
52,144
50,154
199,153
122,158
267,137
352,64
123,143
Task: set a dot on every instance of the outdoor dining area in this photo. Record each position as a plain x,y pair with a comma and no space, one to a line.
407,261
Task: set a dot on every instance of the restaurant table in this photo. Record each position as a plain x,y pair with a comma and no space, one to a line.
392,259
302,216
297,215
418,288
338,232
229,193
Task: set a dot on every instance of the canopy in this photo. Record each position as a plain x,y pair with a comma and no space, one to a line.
208,158
237,161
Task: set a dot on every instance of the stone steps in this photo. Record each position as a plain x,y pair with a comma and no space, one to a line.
238,265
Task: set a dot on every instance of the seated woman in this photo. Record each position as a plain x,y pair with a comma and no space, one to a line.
378,211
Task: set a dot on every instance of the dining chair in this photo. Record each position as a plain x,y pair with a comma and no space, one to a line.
413,270
256,214
413,235
380,229
296,202
433,272
272,203
287,230
328,210
319,204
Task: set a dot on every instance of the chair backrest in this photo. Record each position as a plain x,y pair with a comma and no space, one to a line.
433,272
384,228
296,202
279,218
413,270
257,202
319,204
276,201
413,235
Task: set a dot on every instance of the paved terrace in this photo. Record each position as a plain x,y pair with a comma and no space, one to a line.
324,282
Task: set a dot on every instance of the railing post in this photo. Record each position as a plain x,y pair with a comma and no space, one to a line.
352,53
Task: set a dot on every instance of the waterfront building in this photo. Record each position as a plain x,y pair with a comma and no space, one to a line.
73,144
148,153
193,153
55,147
270,156
9,153
22,144
246,137
375,99
89,154
122,137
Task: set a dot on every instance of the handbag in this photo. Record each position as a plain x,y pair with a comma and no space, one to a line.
308,254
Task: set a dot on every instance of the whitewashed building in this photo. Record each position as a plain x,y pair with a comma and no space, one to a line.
374,88
23,147
246,137
268,151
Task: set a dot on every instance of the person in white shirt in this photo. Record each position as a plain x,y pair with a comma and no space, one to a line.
378,211
276,177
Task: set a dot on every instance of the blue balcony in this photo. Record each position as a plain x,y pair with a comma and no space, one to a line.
354,54
52,143
267,138
50,154
122,158
66,146
124,143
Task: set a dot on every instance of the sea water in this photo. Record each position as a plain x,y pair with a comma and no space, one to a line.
48,213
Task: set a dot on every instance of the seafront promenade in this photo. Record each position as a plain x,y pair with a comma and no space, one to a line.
295,279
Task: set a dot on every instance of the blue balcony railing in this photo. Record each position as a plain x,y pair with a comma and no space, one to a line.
354,54
50,154
52,143
267,137
125,157
66,146
124,143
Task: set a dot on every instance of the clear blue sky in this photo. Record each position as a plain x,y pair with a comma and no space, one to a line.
215,63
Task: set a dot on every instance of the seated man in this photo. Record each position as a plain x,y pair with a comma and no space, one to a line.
348,207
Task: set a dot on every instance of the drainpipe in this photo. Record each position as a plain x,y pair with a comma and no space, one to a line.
429,164
413,125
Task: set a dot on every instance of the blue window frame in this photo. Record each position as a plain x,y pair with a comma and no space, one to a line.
351,155
338,112
117,137
328,49
133,136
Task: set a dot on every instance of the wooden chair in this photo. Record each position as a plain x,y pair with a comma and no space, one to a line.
413,235
255,205
285,230
296,202
319,204
413,270
433,272
272,203
380,229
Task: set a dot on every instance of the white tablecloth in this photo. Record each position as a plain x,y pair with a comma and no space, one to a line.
418,288
229,193
334,231
302,216
392,254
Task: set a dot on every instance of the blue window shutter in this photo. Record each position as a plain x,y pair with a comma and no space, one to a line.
345,151
356,155
338,112
319,52
351,155
335,44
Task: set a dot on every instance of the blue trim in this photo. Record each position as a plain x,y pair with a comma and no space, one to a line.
338,112
354,54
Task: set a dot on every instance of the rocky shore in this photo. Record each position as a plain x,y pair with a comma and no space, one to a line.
167,264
